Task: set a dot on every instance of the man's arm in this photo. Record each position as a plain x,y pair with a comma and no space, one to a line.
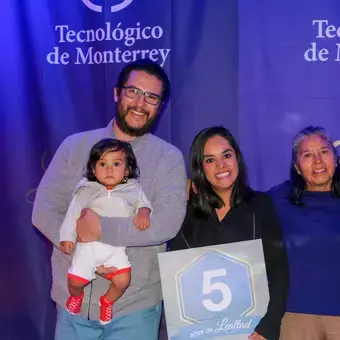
169,206
51,198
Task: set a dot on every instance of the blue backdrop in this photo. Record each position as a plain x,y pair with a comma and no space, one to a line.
281,88
241,64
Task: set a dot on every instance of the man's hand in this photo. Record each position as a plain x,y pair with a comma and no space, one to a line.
88,226
142,219
67,247
103,271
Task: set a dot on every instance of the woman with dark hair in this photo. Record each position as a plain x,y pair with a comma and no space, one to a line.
309,211
222,208
110,189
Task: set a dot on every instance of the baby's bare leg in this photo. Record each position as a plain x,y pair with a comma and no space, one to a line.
119,284
76,287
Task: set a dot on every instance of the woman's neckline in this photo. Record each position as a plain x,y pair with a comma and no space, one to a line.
308,193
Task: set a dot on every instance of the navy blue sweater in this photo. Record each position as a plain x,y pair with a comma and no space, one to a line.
312,238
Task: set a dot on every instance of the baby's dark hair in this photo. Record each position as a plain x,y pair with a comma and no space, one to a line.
107,145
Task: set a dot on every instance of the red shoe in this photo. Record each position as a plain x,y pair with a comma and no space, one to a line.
73,304
106,312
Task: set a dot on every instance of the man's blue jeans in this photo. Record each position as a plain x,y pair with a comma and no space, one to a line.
141,325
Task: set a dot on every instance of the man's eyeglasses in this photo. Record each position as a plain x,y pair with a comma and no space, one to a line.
134,93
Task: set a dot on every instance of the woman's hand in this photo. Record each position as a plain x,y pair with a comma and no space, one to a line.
256,336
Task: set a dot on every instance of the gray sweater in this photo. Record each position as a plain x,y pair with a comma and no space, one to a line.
163,179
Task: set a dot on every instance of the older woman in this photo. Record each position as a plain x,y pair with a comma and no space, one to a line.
309,211
222,208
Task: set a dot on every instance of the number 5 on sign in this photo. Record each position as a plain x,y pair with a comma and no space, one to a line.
209,287
220,291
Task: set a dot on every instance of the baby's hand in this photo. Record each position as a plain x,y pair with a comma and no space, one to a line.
67,247
142,219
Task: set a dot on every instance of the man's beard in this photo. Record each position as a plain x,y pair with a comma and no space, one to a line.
130,130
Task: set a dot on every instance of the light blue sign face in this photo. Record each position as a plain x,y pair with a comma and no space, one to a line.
215,285
218,292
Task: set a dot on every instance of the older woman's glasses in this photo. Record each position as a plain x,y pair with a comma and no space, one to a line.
134,93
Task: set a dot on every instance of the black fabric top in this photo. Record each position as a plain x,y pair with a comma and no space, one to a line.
236,226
